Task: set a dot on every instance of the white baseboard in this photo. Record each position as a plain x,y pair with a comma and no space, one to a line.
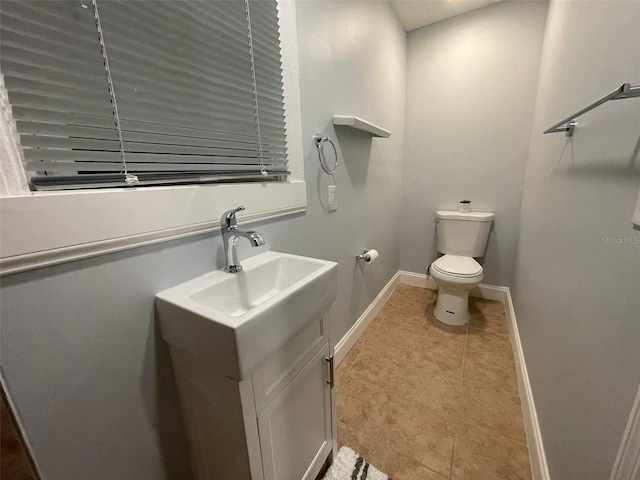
352,336
417,280
489,292
539,466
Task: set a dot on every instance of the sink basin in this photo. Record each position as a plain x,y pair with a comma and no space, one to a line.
234,321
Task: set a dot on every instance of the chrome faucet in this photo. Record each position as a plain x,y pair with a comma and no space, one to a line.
230,237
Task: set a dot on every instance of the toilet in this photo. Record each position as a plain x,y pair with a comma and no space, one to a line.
460,237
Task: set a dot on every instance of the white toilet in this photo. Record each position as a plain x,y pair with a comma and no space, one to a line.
461,237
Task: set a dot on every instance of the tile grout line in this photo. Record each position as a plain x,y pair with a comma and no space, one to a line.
464,357
453,452
490,430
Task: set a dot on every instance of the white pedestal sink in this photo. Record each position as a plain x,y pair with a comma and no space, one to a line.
253,362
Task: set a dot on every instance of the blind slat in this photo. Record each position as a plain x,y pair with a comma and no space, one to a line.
30,116
43,74
97,180
176,47
89,144
44,60
89,157
202,101
214,37
77,166
139,111
31,129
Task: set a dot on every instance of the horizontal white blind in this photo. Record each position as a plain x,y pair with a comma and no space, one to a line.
198,88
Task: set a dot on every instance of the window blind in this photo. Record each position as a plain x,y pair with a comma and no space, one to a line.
198,87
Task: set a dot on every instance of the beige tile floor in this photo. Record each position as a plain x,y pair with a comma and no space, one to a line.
421,400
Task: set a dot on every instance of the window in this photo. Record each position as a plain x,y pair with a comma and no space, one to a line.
161,93
42,228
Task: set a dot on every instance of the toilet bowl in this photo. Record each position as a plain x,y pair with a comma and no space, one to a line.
461,238
455,276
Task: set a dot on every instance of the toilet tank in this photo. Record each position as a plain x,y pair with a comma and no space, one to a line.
463,234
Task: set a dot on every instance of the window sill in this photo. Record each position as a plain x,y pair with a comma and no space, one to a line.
44,229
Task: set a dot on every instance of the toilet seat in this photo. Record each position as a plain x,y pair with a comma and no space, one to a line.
457,266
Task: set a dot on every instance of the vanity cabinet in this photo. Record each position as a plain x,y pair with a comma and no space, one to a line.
295,428
276,424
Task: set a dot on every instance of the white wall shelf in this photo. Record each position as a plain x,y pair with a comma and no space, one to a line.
360,124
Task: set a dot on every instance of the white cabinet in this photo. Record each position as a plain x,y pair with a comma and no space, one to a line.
276,424
295,429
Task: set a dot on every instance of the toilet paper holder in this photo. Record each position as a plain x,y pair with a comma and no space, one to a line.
362,255
366,256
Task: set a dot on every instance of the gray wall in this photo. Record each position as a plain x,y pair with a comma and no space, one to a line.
81,354
576,289
352,61
471,87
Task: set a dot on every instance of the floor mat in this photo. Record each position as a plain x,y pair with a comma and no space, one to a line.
349,465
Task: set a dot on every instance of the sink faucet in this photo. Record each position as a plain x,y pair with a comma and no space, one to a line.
230,237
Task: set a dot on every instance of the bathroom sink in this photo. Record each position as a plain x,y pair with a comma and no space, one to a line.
234,321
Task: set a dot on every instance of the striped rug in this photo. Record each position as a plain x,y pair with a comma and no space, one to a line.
349,465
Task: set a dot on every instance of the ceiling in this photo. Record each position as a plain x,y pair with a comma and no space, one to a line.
418,13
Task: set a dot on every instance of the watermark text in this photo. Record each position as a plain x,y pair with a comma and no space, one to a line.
632,240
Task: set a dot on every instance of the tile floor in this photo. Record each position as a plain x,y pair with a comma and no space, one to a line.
421,400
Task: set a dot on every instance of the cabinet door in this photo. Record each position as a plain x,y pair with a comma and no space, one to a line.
295,429
283,366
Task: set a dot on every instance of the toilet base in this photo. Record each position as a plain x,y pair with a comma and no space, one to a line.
452,307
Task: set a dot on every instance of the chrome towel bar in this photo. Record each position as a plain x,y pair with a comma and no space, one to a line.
569,124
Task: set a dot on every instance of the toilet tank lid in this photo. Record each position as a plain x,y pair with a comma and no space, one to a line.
473,216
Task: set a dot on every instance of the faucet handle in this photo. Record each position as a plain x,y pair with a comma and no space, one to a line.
228,219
